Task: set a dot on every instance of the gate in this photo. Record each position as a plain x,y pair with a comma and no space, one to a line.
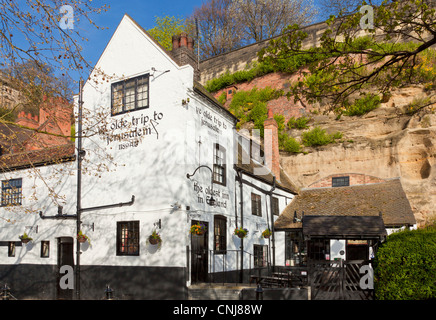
338,280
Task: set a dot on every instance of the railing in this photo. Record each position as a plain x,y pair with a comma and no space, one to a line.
225,266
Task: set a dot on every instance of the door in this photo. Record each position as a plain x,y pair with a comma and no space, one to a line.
65,258
357,250
199,255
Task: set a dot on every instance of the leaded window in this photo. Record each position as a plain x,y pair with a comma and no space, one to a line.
341,181
256,205
128,238
131,94
12,192
260,254
220,238
219,165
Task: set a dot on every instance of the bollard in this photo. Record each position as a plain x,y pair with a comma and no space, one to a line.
109,293
259,292
5,292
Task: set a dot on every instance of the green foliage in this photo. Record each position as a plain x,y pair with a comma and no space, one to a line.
363,105
252,105
222,98
288,65
7,115
165,28
299,123
405,267
319,137
288,143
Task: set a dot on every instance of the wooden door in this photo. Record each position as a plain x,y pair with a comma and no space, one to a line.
199,255
65,258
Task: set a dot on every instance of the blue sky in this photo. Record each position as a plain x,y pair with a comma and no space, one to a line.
142,11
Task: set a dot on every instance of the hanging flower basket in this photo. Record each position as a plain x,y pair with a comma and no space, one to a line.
198,229
25,238
241,232
82,238
155,238
266,234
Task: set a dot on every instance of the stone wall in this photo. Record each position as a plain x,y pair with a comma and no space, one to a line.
240,58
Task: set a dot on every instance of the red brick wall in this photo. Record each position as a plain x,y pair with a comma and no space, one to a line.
279,81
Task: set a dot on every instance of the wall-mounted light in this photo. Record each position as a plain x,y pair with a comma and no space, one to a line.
176,206
158,224
34,228
91,226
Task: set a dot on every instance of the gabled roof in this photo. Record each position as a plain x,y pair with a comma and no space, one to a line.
37,158
387,198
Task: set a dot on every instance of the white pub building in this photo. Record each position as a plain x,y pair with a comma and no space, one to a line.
158,156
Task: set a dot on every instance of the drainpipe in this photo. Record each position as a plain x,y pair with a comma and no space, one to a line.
241,274
79,187
273,241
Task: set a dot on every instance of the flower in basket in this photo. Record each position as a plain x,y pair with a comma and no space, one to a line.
267,233
198,229
25,238
241,232
82,237
155,238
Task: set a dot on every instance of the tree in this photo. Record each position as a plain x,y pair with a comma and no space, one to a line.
217,29
224,25
264,19
168,26
350,60
46,35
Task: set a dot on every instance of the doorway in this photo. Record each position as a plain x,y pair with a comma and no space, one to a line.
199,255
65,258
357,250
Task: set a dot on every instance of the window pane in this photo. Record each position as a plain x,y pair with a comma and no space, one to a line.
130,95
117,98
142,92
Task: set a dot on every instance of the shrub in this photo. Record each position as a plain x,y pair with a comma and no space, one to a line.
299,123
405,266
288,143
319,137
363,105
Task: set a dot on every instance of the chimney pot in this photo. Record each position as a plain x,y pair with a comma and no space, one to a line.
176,40
183,40
190,43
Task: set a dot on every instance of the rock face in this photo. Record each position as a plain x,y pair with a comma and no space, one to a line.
385,143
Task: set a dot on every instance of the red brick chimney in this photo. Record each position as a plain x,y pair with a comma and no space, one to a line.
183,52
271,146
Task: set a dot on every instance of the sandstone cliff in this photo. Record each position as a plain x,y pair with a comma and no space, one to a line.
385,143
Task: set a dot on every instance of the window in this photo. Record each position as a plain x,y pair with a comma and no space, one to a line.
260,255
220,238
341,181
295,249
319,249
11,192
11,249
45,249
219,166
129,95
275,206
256,206
128,238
